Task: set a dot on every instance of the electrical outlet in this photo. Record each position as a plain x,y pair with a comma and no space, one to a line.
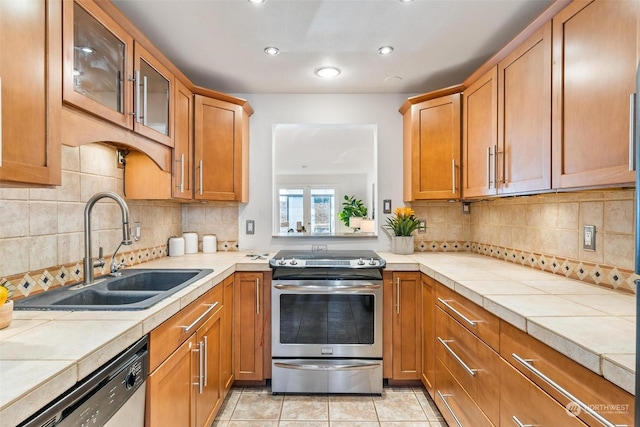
251,226
589,238
423,226
120,158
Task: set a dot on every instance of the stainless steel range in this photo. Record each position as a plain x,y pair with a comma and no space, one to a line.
327,322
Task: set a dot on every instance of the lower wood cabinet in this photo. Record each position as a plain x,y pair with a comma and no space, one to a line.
187,362
402,327
252,326
226,339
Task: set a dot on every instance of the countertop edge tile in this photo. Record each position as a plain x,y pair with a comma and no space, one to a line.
587,358
505,314
615,371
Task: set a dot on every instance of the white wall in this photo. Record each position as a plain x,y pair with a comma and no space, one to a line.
379,109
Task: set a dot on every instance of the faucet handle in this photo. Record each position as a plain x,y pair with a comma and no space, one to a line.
100,261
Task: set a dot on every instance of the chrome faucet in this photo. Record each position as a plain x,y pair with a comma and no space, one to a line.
89,262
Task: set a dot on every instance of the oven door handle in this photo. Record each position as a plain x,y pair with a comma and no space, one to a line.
328,366
362,287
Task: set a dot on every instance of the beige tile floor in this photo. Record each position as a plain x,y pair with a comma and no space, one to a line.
397,406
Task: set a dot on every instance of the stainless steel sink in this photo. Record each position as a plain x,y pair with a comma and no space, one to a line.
135,289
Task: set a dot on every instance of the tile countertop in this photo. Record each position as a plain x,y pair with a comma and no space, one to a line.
43,353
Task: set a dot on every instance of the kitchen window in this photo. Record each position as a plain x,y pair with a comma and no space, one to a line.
307,209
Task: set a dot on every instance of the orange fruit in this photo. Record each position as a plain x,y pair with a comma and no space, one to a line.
4,294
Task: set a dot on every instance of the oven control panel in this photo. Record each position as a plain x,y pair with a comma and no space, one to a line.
305,263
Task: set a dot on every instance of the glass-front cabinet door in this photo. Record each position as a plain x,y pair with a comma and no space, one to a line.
97,60
107,74
152,95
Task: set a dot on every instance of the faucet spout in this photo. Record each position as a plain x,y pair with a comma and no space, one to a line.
88,261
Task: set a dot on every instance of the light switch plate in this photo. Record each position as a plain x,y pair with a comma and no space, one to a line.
589,238
386,206
251,226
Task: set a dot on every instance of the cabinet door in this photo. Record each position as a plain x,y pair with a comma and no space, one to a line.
434,144
594,65
152,98
218,150
209,393
30,90
182,170
479,136
428,333
226,340
407,321
171,391
98,57
524,116
248,326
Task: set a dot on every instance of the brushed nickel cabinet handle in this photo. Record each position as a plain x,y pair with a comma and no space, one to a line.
144,100
205,340
520,423
257,296
398,295
467,369
470,322
446,404
137,85
453,176
632,132
489,167
201,184
186,329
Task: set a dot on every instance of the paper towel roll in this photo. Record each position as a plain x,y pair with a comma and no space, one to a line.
176,246
209,244
190,243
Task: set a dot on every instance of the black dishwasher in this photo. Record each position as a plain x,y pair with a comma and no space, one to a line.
111,395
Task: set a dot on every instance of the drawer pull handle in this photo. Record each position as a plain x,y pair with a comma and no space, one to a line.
446,404
471,323
205,343
528,364
520,423
398,295
257,296
469,371
186,329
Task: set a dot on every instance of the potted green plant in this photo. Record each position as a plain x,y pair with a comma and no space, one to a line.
403,224
352,207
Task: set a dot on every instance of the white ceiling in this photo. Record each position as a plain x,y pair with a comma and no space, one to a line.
219,44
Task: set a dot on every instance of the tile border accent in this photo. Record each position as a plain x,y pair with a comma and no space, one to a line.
34,282
596,274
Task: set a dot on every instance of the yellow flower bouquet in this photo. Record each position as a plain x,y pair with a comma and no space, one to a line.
404,223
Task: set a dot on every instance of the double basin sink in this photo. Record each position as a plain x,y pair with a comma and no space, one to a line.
135,289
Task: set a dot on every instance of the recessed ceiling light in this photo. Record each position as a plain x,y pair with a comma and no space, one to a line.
385,50
86,49
405,1
393,80
271,50
327,72
256,1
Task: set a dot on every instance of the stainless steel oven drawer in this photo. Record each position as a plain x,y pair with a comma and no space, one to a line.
363,376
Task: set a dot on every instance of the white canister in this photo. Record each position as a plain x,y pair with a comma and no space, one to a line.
209,244
190,242
176,246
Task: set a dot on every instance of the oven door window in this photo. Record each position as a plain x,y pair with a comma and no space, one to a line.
326,319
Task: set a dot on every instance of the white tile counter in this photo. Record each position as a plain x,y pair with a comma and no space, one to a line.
43,353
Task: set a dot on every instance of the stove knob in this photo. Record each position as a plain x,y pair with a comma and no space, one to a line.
360,261
282,261
372,262
293,261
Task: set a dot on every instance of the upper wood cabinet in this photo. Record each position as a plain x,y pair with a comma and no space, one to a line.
595,57
432,149
221,160
30,76
182,169
479,136
107,73
524,116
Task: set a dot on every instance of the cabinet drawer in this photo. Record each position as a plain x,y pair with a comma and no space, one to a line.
613,403
476,319
540,409
474,365
456,406
167,337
